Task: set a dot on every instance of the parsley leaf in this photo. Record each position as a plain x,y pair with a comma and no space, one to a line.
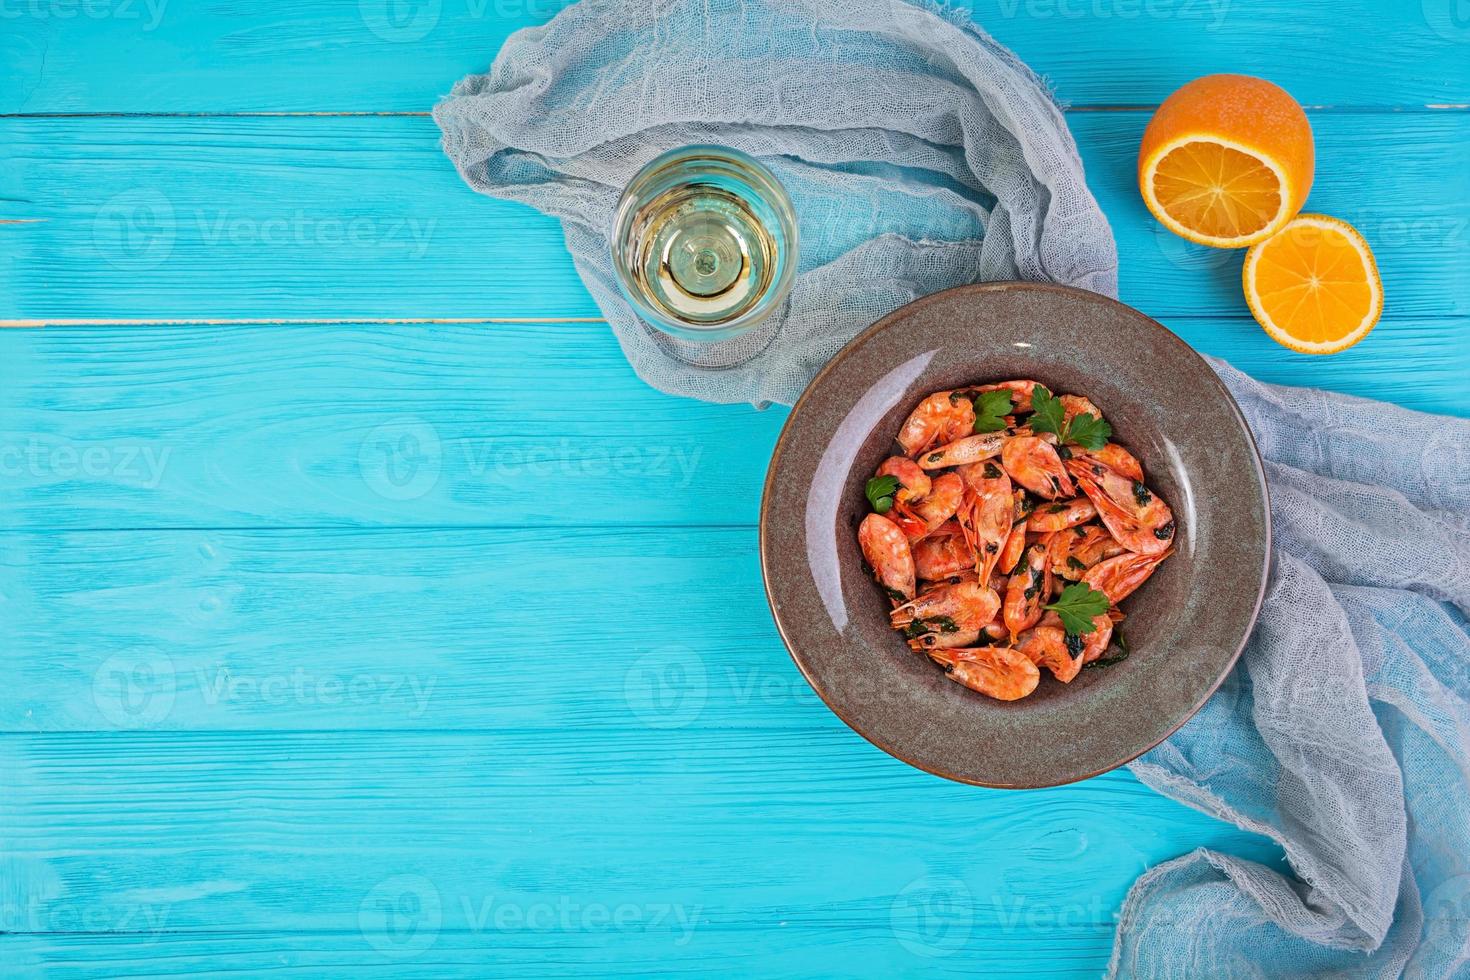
880,491
1077,606
991,408
1076,645
1046,409
1087,431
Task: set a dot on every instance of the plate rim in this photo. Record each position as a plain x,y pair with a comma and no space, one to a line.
880,325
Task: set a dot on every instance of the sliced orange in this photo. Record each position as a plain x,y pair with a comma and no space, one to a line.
1227,160
1314,285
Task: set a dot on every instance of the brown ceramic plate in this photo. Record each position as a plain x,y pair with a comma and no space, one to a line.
1185,626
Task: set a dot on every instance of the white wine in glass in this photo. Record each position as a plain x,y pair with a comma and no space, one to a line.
704,242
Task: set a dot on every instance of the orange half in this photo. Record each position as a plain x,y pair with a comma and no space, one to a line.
1314,285
1215,192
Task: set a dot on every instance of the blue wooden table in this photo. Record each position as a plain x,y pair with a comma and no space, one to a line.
362,614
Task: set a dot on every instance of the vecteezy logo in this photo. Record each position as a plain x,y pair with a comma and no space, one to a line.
1185,254
666,687
134,230
400,459
134,690
932,916
401,916
399,21
1450,19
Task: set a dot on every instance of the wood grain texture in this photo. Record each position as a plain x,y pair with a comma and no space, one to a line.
375,55
429,629
282,426
433,426
778,950
739,829
364,218
438,649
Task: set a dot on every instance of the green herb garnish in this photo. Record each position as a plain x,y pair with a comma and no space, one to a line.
1075,645
1078,605
933,624
991,409
1047,413
1109,661
1085,429
943,624
880,491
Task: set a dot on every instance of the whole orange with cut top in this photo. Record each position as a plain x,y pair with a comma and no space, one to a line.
1227,160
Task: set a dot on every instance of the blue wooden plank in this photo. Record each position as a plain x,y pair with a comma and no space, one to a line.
363,218
742,829
249,828
197,217
239,426
1419,364
779,949
687,717
155,56
429,426
427,629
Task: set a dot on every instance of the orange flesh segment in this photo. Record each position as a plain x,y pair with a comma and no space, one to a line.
1313,286
1216,190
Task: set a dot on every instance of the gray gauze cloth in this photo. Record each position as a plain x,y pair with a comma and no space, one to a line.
919,155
